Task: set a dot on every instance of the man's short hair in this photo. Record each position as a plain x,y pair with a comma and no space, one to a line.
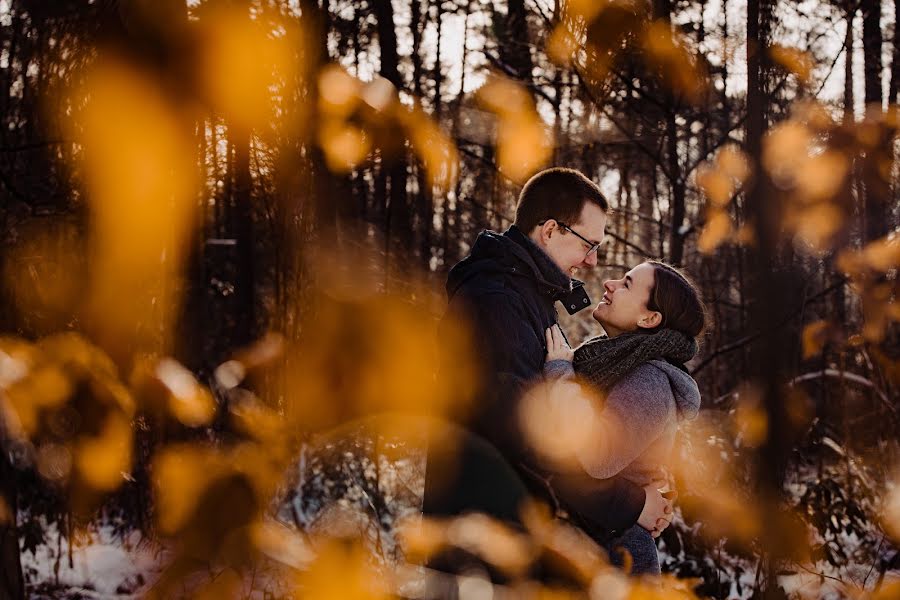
558,193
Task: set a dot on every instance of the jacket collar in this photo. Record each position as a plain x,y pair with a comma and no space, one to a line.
557,283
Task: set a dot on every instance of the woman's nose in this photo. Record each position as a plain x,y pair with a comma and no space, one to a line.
608,285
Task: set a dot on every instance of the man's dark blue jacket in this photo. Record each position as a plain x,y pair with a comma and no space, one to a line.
506,289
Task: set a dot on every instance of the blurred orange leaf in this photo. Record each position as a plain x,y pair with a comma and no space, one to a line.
733,162
814,338
105,460
189,402
717,229
794,60
667,50
524,143
242,63
341,570
717,186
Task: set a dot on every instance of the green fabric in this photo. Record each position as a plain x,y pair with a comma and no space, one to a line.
603,361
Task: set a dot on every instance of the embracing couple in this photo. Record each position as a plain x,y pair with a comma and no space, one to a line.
507,289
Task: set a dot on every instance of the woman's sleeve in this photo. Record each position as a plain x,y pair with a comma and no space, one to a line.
635,414
559,370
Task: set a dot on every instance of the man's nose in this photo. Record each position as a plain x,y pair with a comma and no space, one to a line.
591,259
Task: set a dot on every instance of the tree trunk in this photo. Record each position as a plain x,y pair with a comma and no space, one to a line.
399,217
677,198
769,272
894,90
514,46
872,42
12,583
242,222
877,187
848,66
424,200
662,10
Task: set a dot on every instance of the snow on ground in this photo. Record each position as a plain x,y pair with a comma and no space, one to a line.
104,566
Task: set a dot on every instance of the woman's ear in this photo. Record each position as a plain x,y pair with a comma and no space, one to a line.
650,320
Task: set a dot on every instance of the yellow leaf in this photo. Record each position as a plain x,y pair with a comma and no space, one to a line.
559,419
523,146
339,92
421,537
5,512
344,145
242,64
180,475
717,229
717,186
883,254
794,60
667,51
141,198
282,544
814,338
342,570
817,225
433,147
822,175
785,148
495,542
103,461
504,97
751,420
732,161
891,514
189,402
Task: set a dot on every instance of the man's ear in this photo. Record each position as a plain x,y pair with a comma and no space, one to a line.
546,230
650,320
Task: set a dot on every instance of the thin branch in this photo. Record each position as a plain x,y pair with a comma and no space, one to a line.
635,247
845,376
736,345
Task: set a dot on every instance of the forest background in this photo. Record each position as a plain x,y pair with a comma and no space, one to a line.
226,227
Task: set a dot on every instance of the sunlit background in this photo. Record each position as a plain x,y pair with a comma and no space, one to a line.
225,232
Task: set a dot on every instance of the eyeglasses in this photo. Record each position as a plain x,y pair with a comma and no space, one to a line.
592,247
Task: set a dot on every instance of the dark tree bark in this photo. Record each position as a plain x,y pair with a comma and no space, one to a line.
677,186
769,270
848,65
438,72
894,89
12,583
399,214
242,205
662,10
872,42
424,200
514,45
875,182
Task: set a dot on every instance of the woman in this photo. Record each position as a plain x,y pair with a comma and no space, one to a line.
652,318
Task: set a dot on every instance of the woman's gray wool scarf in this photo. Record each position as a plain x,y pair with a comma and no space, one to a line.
603,361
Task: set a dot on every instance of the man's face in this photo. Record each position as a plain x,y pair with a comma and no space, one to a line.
567,250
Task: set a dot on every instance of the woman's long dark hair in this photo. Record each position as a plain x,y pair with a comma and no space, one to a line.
678,299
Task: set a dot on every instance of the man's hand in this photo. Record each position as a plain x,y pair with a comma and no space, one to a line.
657,513
557,346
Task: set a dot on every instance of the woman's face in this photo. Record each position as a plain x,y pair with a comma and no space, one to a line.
624,304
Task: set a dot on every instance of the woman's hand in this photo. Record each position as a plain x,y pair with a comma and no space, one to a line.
657,513
557,346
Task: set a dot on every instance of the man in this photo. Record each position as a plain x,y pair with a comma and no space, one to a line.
507,289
